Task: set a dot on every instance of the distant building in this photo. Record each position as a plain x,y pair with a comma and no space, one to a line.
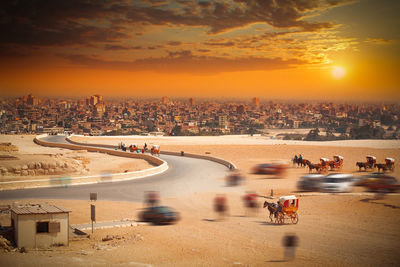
164,100
241,109
31,100
40,226
223,122
256,102
99,110
94,99
191,102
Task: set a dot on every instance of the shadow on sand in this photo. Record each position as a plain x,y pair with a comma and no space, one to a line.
372,200
269,177
209,220
269,223
276,261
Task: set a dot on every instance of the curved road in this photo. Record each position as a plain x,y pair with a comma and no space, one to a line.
184,176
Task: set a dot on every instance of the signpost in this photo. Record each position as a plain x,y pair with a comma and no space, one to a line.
93,196
92,214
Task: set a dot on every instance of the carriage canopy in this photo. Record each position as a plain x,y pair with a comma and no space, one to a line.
338,156
324,159
371,157
289,201
390,160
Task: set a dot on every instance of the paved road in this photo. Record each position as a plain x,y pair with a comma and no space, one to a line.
184,176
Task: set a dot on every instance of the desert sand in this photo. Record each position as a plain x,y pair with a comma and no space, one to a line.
333,230
41,163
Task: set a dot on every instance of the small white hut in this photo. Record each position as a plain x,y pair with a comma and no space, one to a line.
40,225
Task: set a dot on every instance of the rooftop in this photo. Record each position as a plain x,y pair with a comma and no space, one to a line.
37,209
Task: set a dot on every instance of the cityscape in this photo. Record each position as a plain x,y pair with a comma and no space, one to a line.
95,115
199,133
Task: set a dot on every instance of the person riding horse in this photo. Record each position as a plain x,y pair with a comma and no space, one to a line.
278,208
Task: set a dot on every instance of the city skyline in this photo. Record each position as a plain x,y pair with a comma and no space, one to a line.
319,50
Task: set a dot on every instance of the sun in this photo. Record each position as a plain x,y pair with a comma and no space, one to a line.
338,72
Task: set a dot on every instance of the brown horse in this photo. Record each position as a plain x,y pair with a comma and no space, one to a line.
299,162
364,165
311,166
271,209
380,166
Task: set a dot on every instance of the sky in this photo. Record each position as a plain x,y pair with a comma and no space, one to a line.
272,49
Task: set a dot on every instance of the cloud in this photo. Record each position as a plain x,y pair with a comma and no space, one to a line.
219,43
174,43
122,47
186,62
45,22
379,41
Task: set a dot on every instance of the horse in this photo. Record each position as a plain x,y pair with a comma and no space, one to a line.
380,166
360,165
299,162
271,209
312,166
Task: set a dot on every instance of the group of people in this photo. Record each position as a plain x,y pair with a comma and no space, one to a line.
132,148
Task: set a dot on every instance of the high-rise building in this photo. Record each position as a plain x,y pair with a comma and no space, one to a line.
223,122
31,100
191,101
94,99
256,102
164,100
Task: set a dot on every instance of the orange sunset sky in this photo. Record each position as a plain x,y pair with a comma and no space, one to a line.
278,49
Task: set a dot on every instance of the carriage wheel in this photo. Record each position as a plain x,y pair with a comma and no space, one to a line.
281,218
294,217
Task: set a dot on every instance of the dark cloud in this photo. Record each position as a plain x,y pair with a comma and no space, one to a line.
185,61
174,43
219,43
122,47
48,22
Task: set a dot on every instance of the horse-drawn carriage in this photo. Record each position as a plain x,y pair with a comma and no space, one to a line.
155,150
324,165
336,163
133,148
370,164
321,167
289,207
390,164
387,166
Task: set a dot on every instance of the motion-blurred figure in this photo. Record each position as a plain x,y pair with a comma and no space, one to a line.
152,199
250,203
290,242
234,179
221,206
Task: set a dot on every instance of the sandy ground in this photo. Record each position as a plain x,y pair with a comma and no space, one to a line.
333,230
231,140
89,163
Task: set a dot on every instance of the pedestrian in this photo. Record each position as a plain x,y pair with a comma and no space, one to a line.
290,242
220,206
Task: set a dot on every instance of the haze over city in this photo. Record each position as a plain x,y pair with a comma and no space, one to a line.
328,50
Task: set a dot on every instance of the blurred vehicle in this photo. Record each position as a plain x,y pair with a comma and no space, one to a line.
159,215
234,179
310,182
382,183
369,178
337,182
276,168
